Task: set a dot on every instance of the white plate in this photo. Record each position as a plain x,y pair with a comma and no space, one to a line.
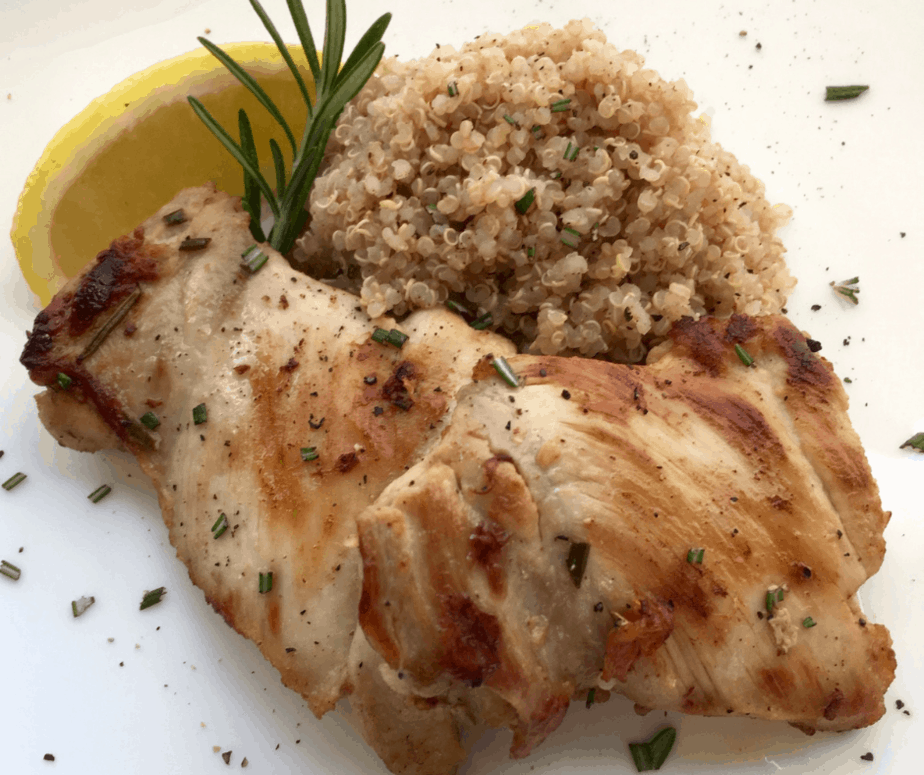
176,681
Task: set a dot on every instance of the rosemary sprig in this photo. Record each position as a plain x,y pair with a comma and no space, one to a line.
335,87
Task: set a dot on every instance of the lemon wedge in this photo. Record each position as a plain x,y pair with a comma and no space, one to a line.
131,150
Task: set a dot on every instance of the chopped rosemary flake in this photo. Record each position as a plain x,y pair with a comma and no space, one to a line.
570,237
848,289
80,606
651,754
591,697
64,381
560,105
254,258
571,152
743,356
507,374
13,481
531,252
524,203
459,309
432,208
483,322
837,93
510,119
394,337
536,130
774,596
452,88
175,218
9,570
696,556
266,582
114,320
915,442
200,414
220,526
152,598
555,175
577,562
99,493
309,454
149,420
808,621
195,243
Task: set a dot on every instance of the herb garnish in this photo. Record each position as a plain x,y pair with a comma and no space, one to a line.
64,381
335,87
254,258
14,480
773,597
99,493
459,309
220,526
200,414
482,322
560,105
266,582
149,420
915,442
591,697
175,218
510,120
523,204
848,288
743,356
696,556
808,622
109,325
452,88
81,605
571,152
503,368
651,754
394,337
309,454
195,243
577,562
152,598
9,570
837,93
570,237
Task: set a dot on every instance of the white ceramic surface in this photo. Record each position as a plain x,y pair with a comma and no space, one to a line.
175,680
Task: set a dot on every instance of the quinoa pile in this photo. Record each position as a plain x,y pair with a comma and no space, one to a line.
550,179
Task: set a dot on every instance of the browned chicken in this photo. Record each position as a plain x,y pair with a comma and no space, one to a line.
449,549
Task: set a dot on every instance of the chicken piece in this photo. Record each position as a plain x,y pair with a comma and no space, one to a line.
430,561
280,362
473,561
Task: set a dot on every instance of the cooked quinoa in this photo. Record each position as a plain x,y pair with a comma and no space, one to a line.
550,179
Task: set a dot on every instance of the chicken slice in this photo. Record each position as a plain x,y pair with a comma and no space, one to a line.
280,363
473,583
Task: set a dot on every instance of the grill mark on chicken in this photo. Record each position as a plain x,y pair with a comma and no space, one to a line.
740,423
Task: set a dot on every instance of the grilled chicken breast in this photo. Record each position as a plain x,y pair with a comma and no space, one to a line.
447,548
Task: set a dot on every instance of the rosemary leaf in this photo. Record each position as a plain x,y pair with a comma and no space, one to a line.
152,598
915,442
99,493
808,622
523,204
696,556
175,218
743,356
577,562
80,605
9,570
220,526
506,373
64,381
250,84
150,420
114,320
591,698
283,49
651,754
250,201
838,93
